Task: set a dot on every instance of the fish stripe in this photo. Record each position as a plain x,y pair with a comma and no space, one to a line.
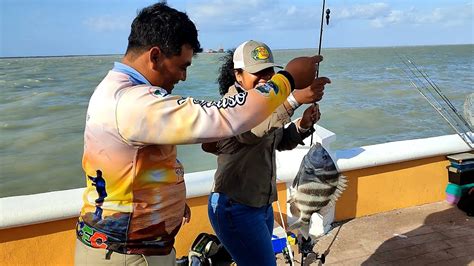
311,203
301,196
315,185
316,191
322,172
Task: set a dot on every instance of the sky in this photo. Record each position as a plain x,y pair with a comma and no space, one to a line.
80,27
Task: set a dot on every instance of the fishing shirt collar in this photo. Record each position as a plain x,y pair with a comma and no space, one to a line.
133,75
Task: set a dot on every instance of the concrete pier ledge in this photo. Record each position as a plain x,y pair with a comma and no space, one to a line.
434,234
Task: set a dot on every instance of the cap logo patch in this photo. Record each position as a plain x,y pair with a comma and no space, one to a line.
260,53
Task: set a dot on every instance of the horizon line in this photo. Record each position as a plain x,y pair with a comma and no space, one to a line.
225,50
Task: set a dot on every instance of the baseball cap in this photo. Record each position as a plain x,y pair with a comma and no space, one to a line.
253,56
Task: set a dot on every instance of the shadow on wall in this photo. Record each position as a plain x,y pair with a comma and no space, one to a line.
446,238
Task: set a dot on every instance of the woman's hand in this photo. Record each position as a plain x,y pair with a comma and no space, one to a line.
310,116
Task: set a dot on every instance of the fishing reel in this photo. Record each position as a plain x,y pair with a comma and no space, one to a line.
305,248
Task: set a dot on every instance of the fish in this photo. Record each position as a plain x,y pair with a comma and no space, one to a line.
318,184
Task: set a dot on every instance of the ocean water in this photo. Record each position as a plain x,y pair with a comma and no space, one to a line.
43,103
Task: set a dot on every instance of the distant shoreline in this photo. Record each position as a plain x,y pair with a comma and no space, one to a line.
281,49
52,56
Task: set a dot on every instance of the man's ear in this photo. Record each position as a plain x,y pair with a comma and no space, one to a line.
155,56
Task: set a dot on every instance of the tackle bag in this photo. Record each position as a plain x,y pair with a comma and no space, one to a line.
466,203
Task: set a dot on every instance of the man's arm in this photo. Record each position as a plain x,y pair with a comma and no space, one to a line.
171,120
143,117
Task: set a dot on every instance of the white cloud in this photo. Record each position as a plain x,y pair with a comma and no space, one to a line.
369,11
108,23
376,23
291,10
233,15
263,15
380,15
446,16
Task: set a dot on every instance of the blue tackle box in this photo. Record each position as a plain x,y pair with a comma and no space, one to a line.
278,238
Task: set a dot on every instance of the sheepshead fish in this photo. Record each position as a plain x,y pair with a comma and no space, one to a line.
317,184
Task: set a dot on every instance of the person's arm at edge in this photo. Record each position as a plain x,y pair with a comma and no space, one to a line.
169,120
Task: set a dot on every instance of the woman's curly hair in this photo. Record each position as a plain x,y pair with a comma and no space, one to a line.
226,72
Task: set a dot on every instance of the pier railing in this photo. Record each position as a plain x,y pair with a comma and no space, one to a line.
51,206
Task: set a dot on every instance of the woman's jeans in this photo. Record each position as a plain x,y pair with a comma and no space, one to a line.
246,232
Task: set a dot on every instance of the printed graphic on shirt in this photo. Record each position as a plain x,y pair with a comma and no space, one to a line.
157,92
110,233
228,102
99,183
90,236
179,170
267,87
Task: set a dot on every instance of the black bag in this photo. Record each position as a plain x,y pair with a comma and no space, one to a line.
466,203
207,250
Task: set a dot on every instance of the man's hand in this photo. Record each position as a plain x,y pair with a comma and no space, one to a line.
303,70
310,116
187,214
312,93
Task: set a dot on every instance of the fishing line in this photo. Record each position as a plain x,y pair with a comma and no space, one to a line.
441,94
455,117
421,84
437,99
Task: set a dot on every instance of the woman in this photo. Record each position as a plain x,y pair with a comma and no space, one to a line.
240,206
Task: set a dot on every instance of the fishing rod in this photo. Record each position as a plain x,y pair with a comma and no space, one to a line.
436,98
328,12
305,246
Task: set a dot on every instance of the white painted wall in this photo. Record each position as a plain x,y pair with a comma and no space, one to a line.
58,205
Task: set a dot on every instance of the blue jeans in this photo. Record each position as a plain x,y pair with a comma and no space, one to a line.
246,232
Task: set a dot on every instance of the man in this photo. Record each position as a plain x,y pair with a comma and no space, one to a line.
132,127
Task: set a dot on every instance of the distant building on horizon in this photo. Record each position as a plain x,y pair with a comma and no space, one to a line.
212,51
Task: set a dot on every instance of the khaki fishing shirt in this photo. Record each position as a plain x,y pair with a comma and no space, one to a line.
246,165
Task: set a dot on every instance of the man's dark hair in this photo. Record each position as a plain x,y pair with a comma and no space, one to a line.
165,27
226,76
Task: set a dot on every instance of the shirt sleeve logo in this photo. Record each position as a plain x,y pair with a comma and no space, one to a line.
267,87
157,92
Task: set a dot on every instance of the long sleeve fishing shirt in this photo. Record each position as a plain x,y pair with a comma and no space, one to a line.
135,196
